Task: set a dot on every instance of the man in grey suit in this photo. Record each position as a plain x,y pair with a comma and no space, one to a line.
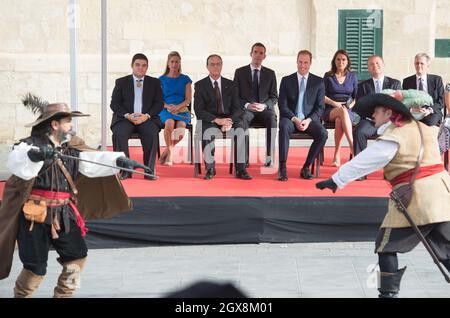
366,128
216,105
432,84
302,102
257,87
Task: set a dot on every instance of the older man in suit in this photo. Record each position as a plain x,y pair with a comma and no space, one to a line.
216,105
365,128
432,84
136,103
257,86
301,103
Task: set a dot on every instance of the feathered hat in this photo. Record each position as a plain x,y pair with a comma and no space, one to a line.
366,105
46,110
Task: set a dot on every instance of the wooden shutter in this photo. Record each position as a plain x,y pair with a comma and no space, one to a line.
360,34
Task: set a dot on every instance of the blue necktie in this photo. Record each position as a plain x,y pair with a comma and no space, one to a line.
378,89
301,95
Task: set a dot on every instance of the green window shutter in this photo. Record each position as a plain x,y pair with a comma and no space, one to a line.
442,48
361,35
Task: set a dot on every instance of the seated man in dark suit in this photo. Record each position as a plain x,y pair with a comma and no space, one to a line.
257,86
366,128
136,103
302,102
216,105
432,84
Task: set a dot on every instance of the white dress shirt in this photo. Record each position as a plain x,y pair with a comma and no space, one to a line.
424,82
381,80
299,78
376,156
137,107
219,81
252,69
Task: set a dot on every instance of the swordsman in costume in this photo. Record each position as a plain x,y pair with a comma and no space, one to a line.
419,205
48,197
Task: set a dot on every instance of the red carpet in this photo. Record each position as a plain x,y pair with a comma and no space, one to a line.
178,180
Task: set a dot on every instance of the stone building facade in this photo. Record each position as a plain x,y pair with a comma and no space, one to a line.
34,43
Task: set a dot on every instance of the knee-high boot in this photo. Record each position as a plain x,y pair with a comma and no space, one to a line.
26,284
390,283
69,279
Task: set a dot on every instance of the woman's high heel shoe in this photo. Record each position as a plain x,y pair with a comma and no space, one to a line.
336,163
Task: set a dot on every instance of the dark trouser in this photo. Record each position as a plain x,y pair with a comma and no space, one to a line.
34,245
266,118
148,132
209,133
432,119
363,131
391,241
315,130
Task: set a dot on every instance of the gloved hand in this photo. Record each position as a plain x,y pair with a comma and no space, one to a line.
41,153
124,162
329,183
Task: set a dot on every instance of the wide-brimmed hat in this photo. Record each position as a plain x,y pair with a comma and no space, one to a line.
365,106
51,110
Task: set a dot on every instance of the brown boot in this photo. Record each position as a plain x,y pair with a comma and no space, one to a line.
27,282
69,280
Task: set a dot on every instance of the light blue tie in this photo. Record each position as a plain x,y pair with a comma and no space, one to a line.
301,95
378,90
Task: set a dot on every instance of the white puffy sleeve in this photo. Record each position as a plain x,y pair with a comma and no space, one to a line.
374,157
20,165
93,170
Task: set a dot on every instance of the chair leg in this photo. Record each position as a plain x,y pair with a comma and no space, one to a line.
233,154
197,158
247,149
158,147
322,156
446,160
190,150
318,166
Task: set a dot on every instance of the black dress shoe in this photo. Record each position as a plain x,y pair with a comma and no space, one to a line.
362,178
125,175
282,172
152,177
243,175
210,173
306,174
283,176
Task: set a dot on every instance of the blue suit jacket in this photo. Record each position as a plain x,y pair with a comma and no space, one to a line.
314,99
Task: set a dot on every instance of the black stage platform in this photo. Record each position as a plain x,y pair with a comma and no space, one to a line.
229,220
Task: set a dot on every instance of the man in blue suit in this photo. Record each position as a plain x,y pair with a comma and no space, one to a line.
301,103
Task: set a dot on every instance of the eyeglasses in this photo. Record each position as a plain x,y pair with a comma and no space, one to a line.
215,64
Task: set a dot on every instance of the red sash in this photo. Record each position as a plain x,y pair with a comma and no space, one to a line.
52,195
423,172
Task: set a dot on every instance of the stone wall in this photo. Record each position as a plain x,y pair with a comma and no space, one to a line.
34,37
